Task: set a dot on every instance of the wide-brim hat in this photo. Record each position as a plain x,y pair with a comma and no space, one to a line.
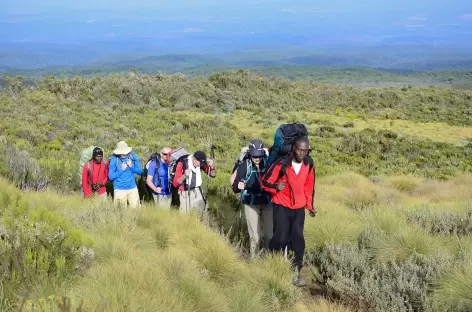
122,148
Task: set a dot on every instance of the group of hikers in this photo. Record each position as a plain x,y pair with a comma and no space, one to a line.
276,186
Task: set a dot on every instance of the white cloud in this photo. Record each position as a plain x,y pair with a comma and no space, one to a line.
14,20
416,18
192,30
306,10
466,17
414,26
90,21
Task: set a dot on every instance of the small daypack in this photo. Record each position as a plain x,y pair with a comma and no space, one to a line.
284,139
176,156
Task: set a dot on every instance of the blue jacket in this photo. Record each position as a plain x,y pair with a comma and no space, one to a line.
124,179
161,178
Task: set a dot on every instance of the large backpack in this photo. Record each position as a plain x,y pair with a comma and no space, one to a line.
284,139
176,156
85,156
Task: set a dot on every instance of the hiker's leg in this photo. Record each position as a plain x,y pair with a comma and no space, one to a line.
155,197
164,201
133,198
120,197
183,198
280,237
197,203
267,224
252,219
297,238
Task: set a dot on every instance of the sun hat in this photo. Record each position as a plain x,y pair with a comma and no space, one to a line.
122,148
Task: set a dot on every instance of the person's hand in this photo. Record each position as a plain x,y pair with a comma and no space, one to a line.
158,190
124,166
129,163
280,186
187,172
210,163
312,212
241,185
266,150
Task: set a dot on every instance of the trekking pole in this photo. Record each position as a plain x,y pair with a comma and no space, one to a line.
212,156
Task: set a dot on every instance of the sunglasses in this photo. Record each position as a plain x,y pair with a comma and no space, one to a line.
257,157
165,154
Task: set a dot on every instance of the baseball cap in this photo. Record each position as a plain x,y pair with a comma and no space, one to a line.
201,157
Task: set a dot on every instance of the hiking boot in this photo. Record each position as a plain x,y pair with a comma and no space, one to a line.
300,281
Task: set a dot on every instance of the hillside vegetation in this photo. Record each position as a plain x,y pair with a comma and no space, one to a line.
393,231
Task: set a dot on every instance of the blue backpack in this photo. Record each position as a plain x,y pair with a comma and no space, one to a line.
284,139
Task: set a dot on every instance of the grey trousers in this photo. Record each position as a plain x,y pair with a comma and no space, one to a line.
162,201
260,226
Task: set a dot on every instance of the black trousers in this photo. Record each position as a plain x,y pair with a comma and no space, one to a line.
288,231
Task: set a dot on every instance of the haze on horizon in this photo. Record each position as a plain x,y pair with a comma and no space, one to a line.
333,21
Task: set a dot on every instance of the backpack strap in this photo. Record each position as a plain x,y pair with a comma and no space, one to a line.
90,171
156,172
285,163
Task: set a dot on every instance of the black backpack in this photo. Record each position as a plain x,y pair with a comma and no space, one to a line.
284,139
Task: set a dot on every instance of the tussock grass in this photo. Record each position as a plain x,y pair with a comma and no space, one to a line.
437,131
404,184
356,191
454,291
457,189
334,224
195,270
157,260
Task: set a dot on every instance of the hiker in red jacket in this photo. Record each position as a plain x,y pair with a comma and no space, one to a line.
95,175
291,181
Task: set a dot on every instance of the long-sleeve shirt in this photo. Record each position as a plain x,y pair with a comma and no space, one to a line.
98,173
299,190
124,179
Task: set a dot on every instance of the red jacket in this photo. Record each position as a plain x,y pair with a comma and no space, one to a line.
299,191
99,173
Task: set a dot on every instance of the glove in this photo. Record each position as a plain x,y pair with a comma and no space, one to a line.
243,153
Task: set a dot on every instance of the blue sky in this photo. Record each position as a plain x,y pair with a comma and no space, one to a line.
370,21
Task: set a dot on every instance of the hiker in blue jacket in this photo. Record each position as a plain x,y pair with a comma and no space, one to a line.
123,166
158,179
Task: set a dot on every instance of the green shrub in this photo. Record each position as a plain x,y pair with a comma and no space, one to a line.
444,223
354,278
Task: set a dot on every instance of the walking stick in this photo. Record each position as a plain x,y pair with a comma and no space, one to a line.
212,156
